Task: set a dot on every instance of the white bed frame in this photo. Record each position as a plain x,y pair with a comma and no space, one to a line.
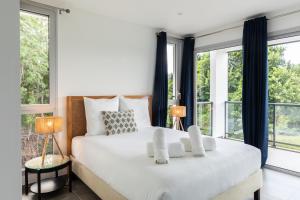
242,191
76,126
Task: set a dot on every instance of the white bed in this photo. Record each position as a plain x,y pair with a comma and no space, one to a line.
121,161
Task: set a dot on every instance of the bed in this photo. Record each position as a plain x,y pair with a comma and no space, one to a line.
117,167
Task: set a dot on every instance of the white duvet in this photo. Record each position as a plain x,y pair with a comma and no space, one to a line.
122,161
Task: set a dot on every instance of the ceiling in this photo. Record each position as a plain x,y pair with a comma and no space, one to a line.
182,16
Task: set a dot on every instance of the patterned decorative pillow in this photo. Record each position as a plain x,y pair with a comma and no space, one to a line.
119,122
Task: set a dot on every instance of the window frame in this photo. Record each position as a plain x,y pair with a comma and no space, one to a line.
51,12
236,46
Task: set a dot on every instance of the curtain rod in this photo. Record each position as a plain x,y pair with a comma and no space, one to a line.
241,25
60,10
41,5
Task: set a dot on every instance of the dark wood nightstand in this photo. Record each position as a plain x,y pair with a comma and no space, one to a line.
53,163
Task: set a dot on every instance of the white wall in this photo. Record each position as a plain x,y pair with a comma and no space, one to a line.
281,25
10,143
102,56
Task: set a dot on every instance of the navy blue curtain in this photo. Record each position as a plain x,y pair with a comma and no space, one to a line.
255,85
160,89
187,81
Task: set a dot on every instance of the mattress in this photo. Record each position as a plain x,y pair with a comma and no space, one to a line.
122,162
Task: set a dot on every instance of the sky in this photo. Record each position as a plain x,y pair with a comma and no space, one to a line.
170,52
292,52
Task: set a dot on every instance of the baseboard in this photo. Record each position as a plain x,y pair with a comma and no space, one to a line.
279,169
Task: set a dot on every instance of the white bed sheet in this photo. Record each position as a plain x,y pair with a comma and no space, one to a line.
122,162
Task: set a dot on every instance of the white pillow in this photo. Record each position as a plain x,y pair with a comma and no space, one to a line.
140,108
93,113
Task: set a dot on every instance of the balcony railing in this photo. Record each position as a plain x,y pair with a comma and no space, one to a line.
205,117
284,124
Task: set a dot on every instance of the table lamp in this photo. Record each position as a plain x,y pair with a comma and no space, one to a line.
178,112
48,126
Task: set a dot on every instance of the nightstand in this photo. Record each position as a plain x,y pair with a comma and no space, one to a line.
53,163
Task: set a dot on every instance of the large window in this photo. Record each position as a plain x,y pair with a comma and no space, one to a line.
37,59
284,94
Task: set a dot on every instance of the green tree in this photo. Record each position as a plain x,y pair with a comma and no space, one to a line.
34,59
34,77
203,92
203,76
170,86
34,63
235,75
283,76
284,81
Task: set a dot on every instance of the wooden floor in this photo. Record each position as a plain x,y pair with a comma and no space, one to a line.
277,186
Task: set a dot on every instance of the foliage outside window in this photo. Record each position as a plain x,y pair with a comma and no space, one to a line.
203,92
203,76
35,79
284,82
34,58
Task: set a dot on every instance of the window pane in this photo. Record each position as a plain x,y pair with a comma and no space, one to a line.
284,73
34,57
204,111
234,126
203,76
171,67
284,82
31,142
171,79
204,108
235,75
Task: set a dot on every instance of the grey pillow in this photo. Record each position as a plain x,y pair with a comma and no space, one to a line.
119,122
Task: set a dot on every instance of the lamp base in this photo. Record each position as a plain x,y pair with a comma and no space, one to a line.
178,124
46,139
45,148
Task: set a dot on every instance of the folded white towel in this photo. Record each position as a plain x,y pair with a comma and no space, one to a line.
150,150
176,149
160,148
196,141
209,143
186,143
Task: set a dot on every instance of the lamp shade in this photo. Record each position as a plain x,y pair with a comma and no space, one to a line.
178,111
48,125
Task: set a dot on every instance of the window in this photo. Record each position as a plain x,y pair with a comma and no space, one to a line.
203,76
234,124
171,70
284,94
204,106
37,59
171,55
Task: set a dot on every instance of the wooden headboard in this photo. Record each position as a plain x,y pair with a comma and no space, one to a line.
76,122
